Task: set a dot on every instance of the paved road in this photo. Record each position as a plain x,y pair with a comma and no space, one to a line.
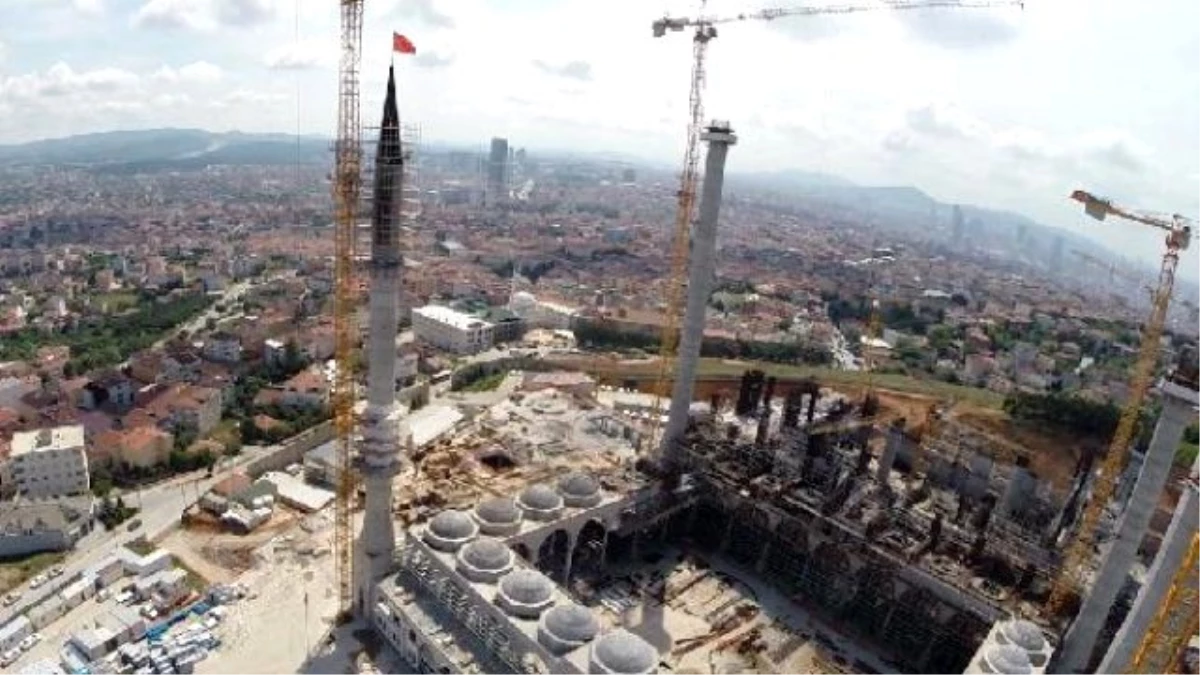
231,296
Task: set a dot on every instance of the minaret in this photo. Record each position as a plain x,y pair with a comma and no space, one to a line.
380,454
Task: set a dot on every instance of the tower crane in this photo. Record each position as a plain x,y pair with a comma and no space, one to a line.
705,30
1079,548
347,186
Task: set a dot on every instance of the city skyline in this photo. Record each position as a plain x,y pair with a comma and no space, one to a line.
1001,108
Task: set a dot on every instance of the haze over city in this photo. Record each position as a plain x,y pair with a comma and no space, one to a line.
1003,107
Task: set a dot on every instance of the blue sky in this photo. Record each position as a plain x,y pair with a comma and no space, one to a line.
999,107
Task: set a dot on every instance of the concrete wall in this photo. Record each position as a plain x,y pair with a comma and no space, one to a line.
292,450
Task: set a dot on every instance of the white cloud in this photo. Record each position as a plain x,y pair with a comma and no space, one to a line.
203,15
61,80
199,72
307,55
244,12
90,7
174,14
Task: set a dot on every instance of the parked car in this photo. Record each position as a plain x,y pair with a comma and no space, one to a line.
133,524
30,640
56,571
12,598
9,657
37,581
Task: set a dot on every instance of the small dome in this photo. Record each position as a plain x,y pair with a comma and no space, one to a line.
572,623
452,525
1008,660
623,652
499,510
526,587
1024,634
487,554
541,497
578,484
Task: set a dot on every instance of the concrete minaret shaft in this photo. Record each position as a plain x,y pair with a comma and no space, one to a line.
380,452
1171,556
1178,411
700,279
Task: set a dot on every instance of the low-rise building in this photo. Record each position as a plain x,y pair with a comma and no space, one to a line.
451,330
223,348
28,527
49,462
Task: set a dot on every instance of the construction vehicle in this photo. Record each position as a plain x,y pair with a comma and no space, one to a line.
1068,583
1175,622
705,31
347,187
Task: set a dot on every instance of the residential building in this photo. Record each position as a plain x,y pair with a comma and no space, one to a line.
306,389
111,389
223,348
28,527
273,352
141,446
50,462
451,330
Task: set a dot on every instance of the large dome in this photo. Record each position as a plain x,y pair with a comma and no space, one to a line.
1024,634
579,489
1008,660
540,497
498,510
623,652
571,623
452,525
487,554
526,587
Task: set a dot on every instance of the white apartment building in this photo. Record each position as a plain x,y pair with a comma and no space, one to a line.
49,462
451,330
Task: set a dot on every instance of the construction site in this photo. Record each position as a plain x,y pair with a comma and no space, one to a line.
578,528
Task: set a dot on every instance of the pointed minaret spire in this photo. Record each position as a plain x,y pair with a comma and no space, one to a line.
391,114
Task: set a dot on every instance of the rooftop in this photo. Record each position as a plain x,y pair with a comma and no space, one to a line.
450,317
53,438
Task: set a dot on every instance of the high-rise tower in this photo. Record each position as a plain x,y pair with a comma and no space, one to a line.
497,172
380,451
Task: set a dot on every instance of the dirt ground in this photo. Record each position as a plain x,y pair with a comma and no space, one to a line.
221,556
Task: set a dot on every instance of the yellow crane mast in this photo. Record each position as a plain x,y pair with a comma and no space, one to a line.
347,186
705,30
1175,622
1079,548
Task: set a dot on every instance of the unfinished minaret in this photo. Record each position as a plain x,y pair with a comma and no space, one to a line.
700,280
380,452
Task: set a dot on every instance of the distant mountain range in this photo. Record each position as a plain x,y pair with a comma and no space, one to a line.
169,149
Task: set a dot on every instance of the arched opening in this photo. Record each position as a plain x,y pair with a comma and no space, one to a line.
588,558
521,550
708,527
552,555
751,530
828,581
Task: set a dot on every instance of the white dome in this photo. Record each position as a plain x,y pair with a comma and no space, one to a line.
1024,634
623,653
1008,660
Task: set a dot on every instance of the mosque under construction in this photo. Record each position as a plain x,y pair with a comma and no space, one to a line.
777,534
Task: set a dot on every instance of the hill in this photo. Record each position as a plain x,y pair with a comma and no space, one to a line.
168,149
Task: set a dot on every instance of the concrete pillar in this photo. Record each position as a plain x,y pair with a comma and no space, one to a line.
1158,581
700,277
891,447
1178,411
1020,486
570,557
762,558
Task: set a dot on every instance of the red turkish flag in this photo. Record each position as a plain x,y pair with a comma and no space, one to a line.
402,44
